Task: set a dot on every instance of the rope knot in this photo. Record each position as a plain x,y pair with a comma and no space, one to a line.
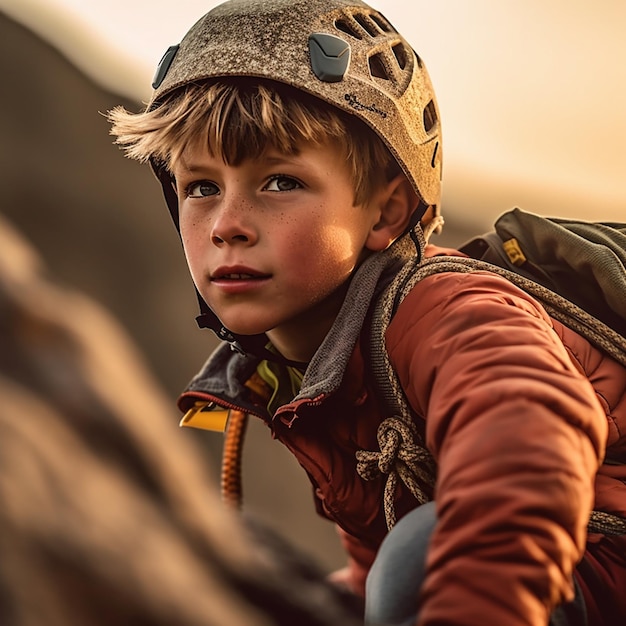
395,438
399,457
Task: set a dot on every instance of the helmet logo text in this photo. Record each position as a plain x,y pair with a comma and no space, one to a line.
357,105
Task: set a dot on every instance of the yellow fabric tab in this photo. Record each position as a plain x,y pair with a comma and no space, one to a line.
197,417
514,251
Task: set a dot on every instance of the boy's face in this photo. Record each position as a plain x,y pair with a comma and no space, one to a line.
272,242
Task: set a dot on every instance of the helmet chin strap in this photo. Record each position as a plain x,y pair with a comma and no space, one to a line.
434,225
247,345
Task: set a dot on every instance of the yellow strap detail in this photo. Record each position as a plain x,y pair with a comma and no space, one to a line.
514,251
196,417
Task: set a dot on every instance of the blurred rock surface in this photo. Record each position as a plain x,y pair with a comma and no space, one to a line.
109,515
100,223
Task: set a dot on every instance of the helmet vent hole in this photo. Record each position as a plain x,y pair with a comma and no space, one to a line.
381,23
400,54
370,27
346,27
430,116
377,67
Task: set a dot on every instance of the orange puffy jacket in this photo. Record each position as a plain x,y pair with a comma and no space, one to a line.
518,409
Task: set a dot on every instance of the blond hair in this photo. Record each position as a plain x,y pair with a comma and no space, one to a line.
239,119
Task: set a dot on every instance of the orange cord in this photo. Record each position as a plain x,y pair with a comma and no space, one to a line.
231,483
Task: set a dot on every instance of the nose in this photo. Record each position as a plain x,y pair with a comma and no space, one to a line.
233,223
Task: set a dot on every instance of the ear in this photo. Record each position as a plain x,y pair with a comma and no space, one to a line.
395,204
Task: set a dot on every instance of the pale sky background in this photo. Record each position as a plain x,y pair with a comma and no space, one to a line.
532,92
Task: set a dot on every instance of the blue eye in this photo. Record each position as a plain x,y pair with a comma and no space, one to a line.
202,189
282,183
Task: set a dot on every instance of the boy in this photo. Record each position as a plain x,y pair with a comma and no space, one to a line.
298,145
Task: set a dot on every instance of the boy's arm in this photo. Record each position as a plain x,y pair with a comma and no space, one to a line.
517,433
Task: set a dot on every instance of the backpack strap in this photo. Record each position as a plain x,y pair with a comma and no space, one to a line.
418,468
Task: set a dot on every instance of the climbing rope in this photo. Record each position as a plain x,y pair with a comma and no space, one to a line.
606,523
231,482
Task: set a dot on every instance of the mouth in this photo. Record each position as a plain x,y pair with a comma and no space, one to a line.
237,274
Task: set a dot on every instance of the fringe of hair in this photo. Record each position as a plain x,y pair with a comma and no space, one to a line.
239,119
